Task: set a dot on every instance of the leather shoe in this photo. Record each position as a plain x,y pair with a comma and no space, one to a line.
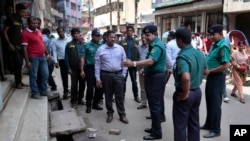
124,120
81,102
211,134
65,95
137,100
88,110
151,137
19,86
97,107
148,117
36,96
148,130
109,118
141,107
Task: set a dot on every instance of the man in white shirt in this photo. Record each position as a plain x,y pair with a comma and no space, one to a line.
58,48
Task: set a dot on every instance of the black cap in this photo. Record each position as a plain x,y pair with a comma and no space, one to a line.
217,28
96,32
150,29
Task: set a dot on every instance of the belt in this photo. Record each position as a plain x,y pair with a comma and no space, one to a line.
179,90
112,72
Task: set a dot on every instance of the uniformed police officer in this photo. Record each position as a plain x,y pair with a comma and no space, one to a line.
217,62
155,67
92,98
188,73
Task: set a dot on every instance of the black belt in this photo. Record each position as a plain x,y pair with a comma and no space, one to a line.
112,72
179,90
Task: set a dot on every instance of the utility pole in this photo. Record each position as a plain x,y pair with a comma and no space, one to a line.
118,16
90,25
136,7
110,15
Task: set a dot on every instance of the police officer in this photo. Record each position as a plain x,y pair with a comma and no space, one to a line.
92,98
155,67
217,62
188,73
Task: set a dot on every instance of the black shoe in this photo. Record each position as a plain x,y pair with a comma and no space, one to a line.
97,107
148,130
65,95
81,102
151,137
141,107
53,89
211,134
148,117
109,118
137,100
88,110
36,96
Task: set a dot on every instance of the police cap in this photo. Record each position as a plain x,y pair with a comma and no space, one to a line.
217,28
96,32
150,29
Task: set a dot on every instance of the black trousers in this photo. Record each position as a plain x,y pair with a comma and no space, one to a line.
77,86
186,116
214,90
154,86
51,80
132,73
64,75
113,84
17,60
92,96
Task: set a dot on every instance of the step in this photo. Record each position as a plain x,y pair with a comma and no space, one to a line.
35,124
11,118
5,90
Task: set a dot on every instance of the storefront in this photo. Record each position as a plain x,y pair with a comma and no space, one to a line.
197,15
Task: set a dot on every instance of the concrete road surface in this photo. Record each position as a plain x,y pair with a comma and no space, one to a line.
233,112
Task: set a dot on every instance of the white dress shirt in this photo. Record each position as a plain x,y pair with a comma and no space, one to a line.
58,47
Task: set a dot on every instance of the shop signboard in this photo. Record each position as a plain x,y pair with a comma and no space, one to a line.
164,3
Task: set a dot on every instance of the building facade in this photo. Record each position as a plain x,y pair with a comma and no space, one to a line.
71,10
121,14
238,13
198,15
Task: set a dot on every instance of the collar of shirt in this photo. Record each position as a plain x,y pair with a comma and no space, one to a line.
152,43
186,48
108,47
93,44
219,43
28,29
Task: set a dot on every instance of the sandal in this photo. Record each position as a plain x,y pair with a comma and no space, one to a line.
242,101
233,95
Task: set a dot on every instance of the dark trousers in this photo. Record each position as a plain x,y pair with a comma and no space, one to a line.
113,84
77,86
64,75
186,116
91,85
17,60
154,86
51,80
214,90
132,73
